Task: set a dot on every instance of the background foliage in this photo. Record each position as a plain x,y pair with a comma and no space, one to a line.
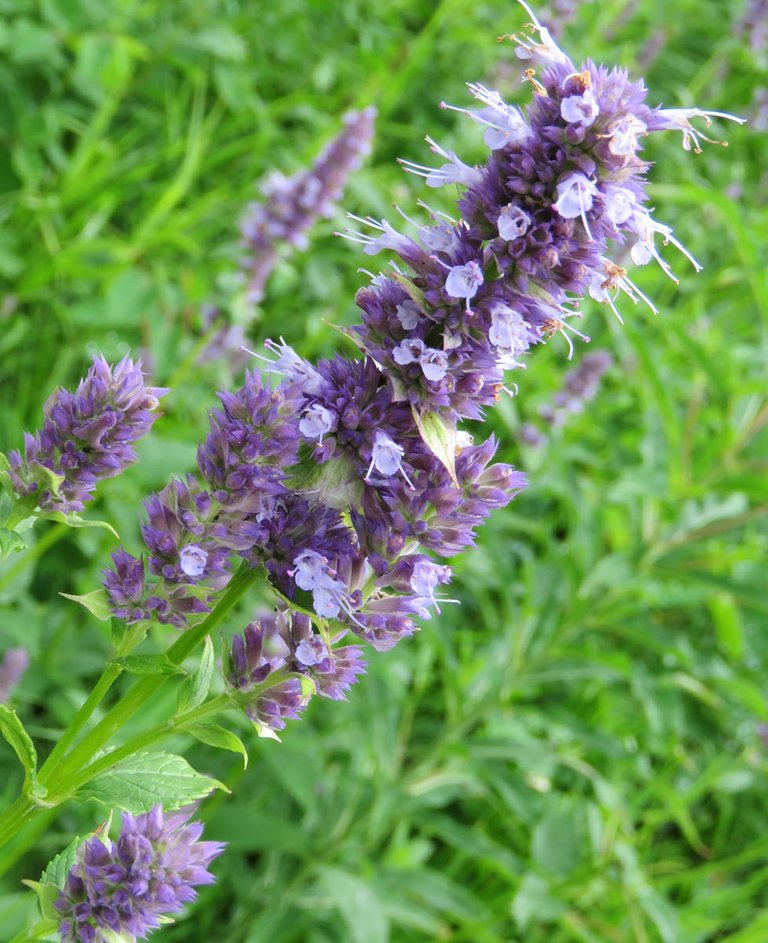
575,753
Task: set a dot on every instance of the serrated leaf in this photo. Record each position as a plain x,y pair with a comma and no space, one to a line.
159,664
194,689
440,438
13,731
74,520
97,603
217,736
58,868
140,782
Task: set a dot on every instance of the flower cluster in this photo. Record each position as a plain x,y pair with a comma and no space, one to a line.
125,889
12,667
348,481
562,190
87,436
268,663
293,204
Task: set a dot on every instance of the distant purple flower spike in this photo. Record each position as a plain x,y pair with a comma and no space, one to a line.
87,435
127,887
292,205
580,386
12,667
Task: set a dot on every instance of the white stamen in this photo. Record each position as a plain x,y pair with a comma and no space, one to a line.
386,457
574,198
644,249
546,48
679,119
290,365
456,171
316,422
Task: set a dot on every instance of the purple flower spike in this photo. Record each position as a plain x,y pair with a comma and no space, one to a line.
12,667
292,205
87,435
127,887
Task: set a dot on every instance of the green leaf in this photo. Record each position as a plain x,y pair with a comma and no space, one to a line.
13,731
46,896
11,542
58,868
43,930
140,782
416,294
360,907
559,840
74,520
159,664
194,689
534,901
17,910
47,480
217,736
440,439
97,603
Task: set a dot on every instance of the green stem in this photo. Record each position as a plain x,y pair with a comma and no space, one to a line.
25,840
15,816
143,690
52,536
149,738
97,695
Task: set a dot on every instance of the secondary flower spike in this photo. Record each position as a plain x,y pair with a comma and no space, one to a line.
124,889
12,667
86,436
292,205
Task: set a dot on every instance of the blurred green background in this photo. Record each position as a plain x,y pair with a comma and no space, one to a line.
576,753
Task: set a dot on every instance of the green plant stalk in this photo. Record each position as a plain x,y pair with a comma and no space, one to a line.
52,536
109,676
15,816
150,737
143,690
57,778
